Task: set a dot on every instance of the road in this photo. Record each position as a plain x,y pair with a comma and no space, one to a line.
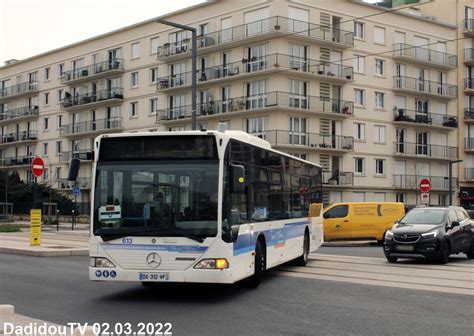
291,301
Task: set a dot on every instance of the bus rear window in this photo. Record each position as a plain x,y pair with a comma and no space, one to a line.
167,147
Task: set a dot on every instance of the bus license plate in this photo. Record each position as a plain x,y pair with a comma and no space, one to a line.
154,276
404,247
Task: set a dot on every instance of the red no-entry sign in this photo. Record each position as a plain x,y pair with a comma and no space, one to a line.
37,166
425,186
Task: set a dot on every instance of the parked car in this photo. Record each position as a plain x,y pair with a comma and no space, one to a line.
432,233
470,212
360,220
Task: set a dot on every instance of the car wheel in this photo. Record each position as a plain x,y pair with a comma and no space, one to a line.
303,259
444,252
391,259
470,252
259,266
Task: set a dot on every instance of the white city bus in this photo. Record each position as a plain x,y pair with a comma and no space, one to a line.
199,206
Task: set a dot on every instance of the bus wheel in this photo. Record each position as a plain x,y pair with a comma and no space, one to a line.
303,259
260,265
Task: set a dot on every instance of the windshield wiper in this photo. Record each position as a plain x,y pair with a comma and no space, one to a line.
163,232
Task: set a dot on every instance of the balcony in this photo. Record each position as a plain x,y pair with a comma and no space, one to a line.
410,149
469,86
469,174
284,101
18,90
425,88
338,178
100,126
81,182
424,56
425,120
305,140
469,145
93,71
412,182
88,100
17,114
469,115
16,162
469,27
255,32
23,137
469,56
245,68
67,156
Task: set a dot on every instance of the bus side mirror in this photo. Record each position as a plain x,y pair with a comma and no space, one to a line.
74,165
237,176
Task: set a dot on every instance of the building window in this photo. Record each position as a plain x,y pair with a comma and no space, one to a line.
45,149
379,197
46,73
154,42
135,50
46,98
380,100
400,197
134,79
59,121
379,134
379,67
359,30
58,148
298,131
379,35
46,174
46,123
153,75
359,64
256,126
380,167
358,196
359,131
133,109
58,173
359,167
60,95
153,105
61,69
177,129
359,97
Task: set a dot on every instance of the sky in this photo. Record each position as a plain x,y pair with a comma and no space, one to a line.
31,27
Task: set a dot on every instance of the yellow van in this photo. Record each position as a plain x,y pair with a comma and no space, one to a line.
360,220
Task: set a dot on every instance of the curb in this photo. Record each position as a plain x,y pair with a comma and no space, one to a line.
52,253
7,315
350,244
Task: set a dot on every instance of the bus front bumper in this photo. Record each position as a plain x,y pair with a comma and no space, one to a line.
225,276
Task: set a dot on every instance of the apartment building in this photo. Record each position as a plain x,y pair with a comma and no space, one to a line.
369,94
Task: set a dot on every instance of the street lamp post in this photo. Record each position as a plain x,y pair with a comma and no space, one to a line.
193,66
450,180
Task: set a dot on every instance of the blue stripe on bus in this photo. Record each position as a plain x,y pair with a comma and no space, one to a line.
246,242
154,247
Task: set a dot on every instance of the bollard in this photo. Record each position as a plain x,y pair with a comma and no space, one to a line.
57,219
89,332
7,315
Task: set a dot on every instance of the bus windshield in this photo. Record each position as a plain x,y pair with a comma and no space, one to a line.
156,198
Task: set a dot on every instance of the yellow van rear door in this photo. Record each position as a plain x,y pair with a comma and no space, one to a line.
336,223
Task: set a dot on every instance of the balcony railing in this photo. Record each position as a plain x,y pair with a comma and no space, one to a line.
268,100
425,86
20,136
420,54
81,182
469,26
16,161
276,24
92,97
338,178
469,55
469,143
67,156
434,151
101,125
413,181
469,173
428,118
257,64
18,89
19,112
469,114
305,139
90,71
468,83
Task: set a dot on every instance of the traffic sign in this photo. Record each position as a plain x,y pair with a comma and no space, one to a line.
425,185
76,191
425,198
37,166
35,227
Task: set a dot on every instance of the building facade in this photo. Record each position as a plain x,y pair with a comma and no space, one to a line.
369,94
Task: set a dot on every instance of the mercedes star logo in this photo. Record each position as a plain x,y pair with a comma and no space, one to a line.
405,236
153,260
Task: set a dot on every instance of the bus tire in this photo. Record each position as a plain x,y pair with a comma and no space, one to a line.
303,259
259,266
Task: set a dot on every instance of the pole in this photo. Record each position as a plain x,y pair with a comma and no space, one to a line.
193,81
57,219
450,183
35,181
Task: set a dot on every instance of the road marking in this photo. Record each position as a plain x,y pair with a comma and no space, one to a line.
451,278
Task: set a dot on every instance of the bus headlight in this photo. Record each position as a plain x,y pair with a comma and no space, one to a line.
220,263
101,262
